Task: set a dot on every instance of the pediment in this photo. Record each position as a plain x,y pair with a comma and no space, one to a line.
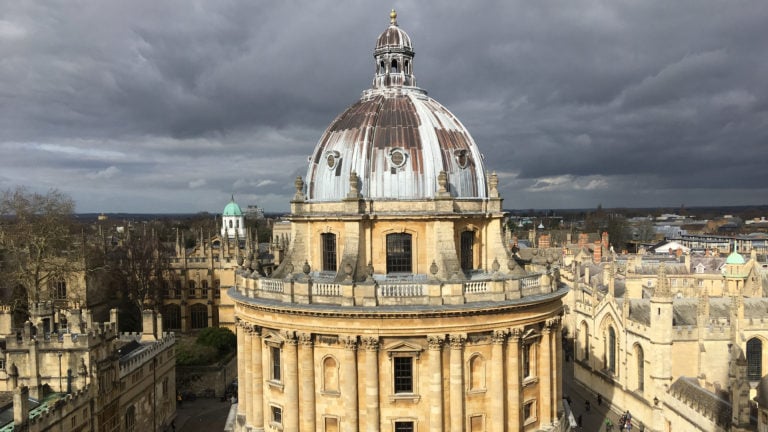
403,347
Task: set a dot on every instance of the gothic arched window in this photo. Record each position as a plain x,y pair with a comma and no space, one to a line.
754,359
172,317
199,314
640,367
611,348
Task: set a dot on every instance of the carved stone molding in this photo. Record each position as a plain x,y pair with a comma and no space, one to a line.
515,334
499,336
457,341
435,342
370,343
305,339
350,342
289,336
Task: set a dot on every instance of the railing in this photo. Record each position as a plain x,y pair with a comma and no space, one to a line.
401,290
272,285
530,282
326,289
475,287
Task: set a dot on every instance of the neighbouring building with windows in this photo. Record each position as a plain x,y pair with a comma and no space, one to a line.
193,297
397,305
679,342
86,376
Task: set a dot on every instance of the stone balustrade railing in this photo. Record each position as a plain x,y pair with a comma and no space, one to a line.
416,291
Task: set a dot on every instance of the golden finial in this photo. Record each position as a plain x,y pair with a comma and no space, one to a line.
393,17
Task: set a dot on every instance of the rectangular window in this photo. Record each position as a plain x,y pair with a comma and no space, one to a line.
527,360
399,253
403,374
404,426
467,250
529,411
277,415
329,251
275,363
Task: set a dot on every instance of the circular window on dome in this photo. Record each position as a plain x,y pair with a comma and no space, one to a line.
332,159
462,158
397,157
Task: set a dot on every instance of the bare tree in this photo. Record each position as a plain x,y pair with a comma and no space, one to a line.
36,240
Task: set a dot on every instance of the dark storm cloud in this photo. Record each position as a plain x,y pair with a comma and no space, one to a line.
172,106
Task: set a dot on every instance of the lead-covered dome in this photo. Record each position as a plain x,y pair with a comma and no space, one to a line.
396,139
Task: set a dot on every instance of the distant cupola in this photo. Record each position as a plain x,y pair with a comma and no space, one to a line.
232,221
394,57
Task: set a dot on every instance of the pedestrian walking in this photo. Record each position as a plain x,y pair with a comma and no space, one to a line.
608,425
599,399
587,406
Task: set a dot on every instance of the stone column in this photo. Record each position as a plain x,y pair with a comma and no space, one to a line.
248,384
557,367
307,377
544,372
291,383
496,386
371,345
457,382
257,381
241,361
435,366
514,383
348,385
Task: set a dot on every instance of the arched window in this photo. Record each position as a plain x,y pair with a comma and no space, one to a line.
640,367
382,68
584,341
230,223
406,67
754,359
130,419
59,289
476,373
467,250
172,317
329,251
611,350
192,286
399,253
393,69
199,314
330,375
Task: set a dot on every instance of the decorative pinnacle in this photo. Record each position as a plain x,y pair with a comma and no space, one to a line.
393,17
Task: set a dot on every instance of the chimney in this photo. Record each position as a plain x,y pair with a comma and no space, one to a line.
544,241
21,409
583,240
159,324
604,239
148,326
597,254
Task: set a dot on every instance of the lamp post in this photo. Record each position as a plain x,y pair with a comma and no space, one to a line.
60,386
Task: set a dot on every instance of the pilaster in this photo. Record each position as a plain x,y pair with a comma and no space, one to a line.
291,422
545,374
307,377
435,362
497,381
371,346
257,380
248,401
513,380
349,385
457,382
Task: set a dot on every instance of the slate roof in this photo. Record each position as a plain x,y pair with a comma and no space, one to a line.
716,408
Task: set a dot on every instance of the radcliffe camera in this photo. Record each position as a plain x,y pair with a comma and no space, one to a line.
253,217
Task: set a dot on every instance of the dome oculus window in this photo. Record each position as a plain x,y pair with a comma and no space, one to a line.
397,157
462,158
332,159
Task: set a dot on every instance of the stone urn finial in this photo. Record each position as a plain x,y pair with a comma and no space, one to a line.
495,266
299,183
369,269
493,182
354,185
348,270
306,268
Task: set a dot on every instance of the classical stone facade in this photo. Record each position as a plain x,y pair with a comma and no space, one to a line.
397,306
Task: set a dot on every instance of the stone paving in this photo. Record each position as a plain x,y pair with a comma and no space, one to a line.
201,415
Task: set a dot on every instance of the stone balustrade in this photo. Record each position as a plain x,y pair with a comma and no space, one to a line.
418,290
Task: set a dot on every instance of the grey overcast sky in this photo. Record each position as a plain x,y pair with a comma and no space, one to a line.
171,106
